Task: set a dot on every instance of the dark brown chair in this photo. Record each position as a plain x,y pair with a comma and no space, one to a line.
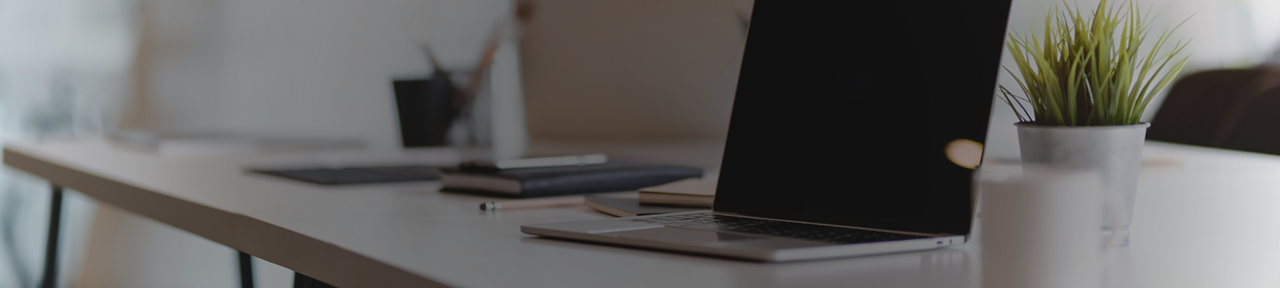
1202,109
1257,129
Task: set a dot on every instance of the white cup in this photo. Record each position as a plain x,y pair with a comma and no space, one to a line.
1041,228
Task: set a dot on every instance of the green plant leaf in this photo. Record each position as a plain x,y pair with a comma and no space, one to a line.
1090,68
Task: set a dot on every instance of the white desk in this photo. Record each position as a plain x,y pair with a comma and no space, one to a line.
1209,221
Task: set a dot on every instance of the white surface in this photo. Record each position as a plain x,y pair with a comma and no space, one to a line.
1206,222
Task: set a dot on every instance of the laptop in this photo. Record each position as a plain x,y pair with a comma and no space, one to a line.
837,141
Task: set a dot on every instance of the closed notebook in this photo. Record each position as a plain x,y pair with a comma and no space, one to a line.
628,207
563,180
688,192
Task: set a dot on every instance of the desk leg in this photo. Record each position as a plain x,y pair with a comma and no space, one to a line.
302,281
246,270
51,247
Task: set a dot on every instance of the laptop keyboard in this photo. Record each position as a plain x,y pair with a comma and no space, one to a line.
358,175
776,228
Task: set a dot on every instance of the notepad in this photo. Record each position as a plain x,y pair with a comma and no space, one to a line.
689,193
629,207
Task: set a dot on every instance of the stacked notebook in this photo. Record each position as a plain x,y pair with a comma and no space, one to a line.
562,180
356,175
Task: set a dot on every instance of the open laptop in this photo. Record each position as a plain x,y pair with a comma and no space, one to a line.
837,141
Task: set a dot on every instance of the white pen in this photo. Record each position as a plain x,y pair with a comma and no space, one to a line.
531,203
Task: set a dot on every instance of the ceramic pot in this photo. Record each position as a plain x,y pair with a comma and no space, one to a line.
1114,151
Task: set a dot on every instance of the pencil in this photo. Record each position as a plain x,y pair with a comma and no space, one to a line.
531,203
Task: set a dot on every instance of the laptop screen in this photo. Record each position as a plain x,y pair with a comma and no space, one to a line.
844,110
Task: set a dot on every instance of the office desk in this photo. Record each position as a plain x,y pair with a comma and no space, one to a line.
1207,221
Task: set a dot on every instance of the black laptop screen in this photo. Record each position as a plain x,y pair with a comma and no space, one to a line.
844,108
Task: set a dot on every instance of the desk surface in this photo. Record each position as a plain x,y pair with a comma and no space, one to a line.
1206,221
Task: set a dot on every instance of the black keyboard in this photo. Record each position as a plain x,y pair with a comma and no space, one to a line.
776,228
357,175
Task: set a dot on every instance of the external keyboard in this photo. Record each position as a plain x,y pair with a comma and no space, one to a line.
775,228
357,175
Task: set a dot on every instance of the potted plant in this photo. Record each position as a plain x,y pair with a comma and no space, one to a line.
1086,83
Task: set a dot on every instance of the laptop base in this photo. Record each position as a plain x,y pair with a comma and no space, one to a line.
708,241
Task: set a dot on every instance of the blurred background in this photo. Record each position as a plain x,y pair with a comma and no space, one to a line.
575,71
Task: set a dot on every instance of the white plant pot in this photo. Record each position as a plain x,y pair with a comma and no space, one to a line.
1114,151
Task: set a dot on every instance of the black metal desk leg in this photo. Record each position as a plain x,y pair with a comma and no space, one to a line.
302,281
51,248
246,270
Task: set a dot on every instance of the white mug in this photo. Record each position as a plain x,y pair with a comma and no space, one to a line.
1041,228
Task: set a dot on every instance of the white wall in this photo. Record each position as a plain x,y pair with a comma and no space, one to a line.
302,68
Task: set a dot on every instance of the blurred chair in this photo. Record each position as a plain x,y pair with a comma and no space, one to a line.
1257,129
1202,109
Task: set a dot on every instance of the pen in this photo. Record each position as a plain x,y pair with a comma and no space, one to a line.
531,203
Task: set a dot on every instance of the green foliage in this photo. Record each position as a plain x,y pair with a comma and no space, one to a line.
1089,71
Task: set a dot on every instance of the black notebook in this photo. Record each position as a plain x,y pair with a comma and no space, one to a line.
563,180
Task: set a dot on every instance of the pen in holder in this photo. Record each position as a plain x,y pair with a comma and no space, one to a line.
480,112
425,108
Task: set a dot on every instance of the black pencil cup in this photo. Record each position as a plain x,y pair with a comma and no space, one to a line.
427,108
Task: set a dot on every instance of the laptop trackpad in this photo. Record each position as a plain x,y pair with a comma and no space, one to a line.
700,237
